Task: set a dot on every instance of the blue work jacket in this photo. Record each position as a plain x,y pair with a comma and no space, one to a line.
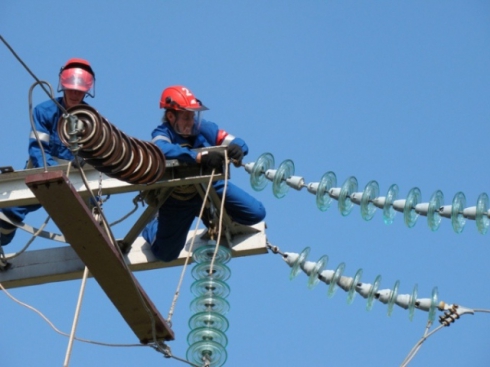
46,116
175,146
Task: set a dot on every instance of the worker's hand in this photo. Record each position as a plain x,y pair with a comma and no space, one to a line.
235,152
78,162
212,159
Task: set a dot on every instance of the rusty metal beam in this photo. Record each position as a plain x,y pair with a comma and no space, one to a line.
93,246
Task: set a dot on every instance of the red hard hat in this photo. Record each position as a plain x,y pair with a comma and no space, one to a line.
180,98
78,63
77,74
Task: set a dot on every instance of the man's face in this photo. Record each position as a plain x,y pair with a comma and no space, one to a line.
73,97
183,122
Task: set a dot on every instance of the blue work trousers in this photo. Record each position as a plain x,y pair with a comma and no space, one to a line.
167,234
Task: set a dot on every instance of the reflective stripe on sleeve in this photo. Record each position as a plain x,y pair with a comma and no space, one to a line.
161,137
229,138
42,136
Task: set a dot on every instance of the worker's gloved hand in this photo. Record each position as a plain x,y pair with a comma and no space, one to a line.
77,162
235,152
212,159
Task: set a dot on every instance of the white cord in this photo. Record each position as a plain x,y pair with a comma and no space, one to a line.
75,318
184,268
221,214
62,333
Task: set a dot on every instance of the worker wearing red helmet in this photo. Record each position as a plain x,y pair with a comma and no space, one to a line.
183,130
76,80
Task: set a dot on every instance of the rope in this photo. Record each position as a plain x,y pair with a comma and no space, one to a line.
29,229
135,202
220,225
177,292
220,214
60,332
79,304
75,318
31,240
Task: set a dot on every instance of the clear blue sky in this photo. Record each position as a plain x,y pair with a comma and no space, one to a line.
392,91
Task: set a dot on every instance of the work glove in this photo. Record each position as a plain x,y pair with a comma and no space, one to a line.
235,152
212,159
77,162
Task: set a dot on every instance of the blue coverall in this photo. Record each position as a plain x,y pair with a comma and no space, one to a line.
46,116
167,234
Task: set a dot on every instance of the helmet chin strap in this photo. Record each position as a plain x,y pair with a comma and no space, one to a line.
175,126
65,100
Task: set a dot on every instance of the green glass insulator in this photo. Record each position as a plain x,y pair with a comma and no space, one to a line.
351,293
434,303
457,219
435,203
219,271
258,181
371,192
205,254
296,268
347,189
279,185
210,286
481,218
411,303
409,214
207,353
320,265
209,319
207,334
392,298
323,198
388,210
208,303
372,293
332,287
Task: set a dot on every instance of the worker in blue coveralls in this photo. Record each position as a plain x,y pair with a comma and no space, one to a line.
181,131
76,80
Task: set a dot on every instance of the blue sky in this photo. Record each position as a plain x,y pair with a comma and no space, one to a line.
395,92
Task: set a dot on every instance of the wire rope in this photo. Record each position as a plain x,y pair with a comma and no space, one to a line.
30,72
418,345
